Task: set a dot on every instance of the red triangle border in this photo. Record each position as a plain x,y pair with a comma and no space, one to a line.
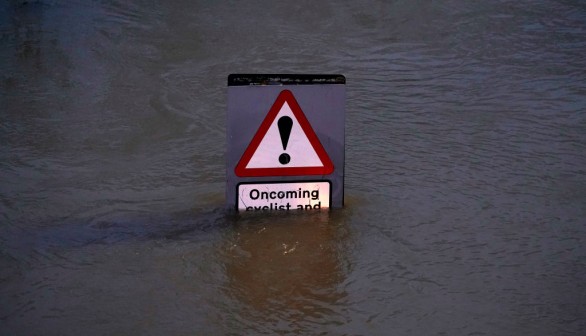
284,96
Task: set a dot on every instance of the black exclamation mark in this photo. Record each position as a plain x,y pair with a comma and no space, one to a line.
285,124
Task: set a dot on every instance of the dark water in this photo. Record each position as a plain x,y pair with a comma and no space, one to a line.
465,186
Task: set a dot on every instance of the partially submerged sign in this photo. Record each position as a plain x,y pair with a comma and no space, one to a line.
285,148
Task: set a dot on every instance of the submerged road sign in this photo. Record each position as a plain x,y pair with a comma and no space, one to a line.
285,148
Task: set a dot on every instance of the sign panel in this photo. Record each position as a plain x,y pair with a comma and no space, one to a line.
284,196
285,142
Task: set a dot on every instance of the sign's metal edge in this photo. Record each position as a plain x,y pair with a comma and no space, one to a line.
284,79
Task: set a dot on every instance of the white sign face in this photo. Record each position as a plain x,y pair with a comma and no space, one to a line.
284,196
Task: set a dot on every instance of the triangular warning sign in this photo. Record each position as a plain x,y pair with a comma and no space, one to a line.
284,144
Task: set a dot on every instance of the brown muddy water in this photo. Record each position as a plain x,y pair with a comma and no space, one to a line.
465,170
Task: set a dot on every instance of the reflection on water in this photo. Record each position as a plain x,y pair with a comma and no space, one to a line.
288,270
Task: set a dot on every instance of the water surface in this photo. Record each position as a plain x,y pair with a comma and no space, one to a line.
465,170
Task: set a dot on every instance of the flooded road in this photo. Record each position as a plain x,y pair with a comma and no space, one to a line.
465,180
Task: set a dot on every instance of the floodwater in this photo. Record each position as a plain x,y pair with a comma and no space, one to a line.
465,170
